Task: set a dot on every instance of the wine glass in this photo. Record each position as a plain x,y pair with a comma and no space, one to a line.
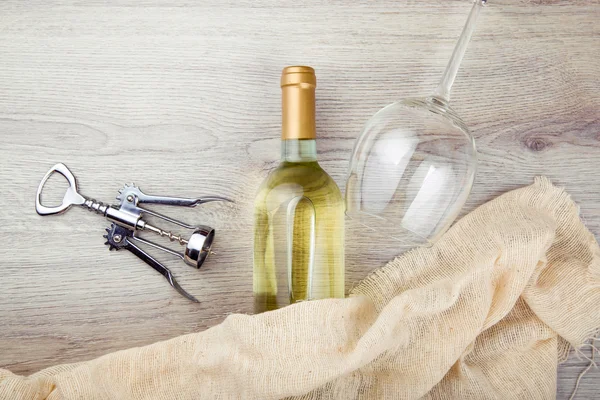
413,165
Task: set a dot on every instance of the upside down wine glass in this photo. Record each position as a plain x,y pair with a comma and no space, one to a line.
413,165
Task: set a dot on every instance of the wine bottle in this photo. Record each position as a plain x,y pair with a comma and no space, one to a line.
299,210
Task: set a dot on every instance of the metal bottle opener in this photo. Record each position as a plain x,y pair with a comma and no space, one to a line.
127,220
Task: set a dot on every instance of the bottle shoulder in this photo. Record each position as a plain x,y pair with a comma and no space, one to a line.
299,179
308,174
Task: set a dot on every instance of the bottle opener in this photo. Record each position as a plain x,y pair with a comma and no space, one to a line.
127,221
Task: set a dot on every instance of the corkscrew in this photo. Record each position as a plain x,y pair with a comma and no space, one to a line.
127,221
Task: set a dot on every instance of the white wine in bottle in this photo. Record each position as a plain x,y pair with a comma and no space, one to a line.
298,212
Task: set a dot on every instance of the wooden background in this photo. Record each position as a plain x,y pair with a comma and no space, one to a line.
182,98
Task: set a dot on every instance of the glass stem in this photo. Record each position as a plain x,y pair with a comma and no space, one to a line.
443,90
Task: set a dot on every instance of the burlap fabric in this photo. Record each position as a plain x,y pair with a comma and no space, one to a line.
486,313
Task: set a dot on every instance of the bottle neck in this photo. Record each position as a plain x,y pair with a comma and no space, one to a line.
299,150
298,129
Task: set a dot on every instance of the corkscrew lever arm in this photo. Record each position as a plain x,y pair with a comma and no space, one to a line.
164,271
138,197
118,238
178,201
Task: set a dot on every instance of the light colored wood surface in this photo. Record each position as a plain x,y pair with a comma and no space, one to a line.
183,98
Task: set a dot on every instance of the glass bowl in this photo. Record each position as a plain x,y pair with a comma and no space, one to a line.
411,171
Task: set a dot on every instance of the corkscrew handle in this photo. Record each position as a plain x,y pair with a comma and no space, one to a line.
72,197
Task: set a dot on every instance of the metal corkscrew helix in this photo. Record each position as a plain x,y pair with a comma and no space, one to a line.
126,218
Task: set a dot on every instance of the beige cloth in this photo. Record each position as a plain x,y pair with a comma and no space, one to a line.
486,313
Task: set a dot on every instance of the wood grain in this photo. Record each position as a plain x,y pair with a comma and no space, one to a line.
182,97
